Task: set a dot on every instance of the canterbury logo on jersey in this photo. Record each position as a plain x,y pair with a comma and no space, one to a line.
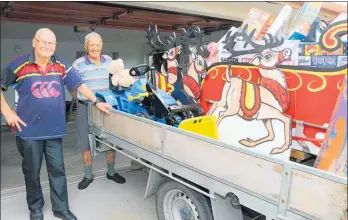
45,89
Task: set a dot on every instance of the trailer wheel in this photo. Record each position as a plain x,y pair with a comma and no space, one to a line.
177,202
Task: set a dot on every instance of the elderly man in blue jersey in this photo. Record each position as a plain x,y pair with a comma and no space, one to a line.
39,120
92,68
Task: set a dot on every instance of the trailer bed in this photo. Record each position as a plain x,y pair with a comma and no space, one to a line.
277,189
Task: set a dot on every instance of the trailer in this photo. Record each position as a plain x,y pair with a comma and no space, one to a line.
196,177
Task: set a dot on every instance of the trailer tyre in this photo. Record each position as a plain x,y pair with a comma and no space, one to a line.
175,201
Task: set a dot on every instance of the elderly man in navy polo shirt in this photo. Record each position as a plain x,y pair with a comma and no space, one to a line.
39,119
92,68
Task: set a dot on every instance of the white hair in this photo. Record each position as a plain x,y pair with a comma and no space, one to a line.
43,30
91,35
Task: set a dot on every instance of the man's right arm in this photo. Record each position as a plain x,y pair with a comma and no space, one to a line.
5,108
8,77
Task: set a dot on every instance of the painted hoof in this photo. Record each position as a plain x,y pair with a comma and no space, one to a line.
247,142
278,150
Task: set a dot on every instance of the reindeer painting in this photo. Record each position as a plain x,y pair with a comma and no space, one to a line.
263,99
172,64
192,61
163,79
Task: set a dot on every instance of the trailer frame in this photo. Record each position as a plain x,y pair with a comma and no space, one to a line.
219,191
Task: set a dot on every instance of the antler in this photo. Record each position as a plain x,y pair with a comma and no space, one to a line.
201,49
248,38
193,35
155,41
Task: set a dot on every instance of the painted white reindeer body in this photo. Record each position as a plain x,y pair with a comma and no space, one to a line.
172,64
269,97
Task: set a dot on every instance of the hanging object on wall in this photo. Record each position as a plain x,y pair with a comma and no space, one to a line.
17,49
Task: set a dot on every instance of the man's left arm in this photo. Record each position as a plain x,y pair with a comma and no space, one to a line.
74,83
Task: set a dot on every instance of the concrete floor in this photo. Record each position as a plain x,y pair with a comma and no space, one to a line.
11,171
102,200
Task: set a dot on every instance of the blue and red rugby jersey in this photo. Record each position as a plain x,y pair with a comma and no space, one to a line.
41,94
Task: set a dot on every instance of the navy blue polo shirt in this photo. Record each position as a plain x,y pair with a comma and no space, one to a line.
41,94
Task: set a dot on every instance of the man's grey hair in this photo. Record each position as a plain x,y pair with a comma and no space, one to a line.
91,35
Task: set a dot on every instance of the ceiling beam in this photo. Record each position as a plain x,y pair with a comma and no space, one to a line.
106,16
78,23
161,10
53,9
43,16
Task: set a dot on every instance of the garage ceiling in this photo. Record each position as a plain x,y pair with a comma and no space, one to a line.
107,16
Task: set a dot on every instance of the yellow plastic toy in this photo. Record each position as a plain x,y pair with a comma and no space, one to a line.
140,95
204,125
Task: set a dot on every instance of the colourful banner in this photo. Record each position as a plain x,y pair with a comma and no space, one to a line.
333,153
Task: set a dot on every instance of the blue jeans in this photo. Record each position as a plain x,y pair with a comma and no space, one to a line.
32,152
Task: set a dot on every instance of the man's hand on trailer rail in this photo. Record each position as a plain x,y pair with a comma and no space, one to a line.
86,92
103,107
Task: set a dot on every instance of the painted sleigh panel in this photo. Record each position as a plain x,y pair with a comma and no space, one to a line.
233,91
305,88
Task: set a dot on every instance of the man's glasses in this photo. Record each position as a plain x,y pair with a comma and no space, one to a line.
51,44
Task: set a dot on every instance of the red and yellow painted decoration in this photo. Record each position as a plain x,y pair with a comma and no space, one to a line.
330,39
162,83
332,156
312,91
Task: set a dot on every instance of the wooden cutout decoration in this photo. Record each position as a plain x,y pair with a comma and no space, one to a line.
242,35
262,95
154,40
234,92
193,35
255,99
311,91
190,59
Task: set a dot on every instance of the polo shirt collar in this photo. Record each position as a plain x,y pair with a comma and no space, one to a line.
88,61
52,60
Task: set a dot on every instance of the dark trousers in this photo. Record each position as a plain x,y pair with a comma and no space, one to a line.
32,153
